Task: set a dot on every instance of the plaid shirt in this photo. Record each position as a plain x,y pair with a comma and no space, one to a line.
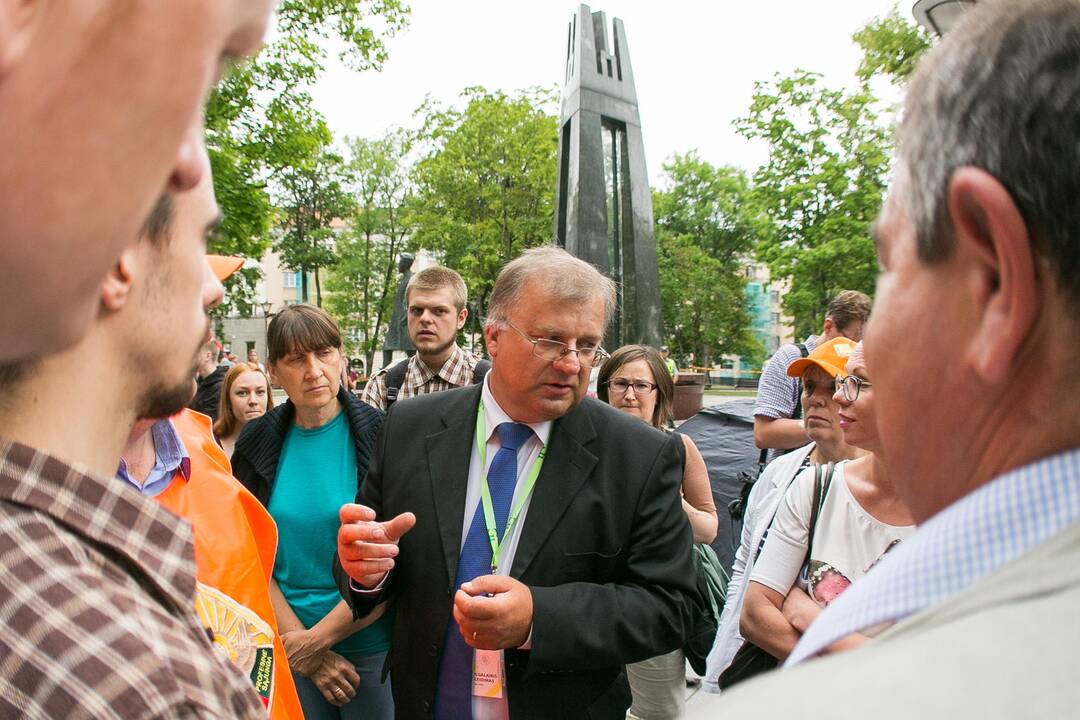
456,372
97,589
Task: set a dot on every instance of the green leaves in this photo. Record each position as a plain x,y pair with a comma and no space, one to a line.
891,47
486,181
269,146
706,225
821,188
362,282
311,191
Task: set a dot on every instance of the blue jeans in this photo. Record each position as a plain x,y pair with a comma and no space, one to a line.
373,700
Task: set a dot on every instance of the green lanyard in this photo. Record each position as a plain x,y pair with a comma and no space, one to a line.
485,492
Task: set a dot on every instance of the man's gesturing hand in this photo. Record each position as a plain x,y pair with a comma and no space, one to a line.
367,548
494,612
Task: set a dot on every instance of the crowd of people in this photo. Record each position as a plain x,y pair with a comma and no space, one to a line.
477,538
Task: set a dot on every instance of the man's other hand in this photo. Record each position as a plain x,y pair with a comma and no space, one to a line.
367,548
494,612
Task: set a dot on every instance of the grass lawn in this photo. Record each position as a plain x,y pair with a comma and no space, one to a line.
719,391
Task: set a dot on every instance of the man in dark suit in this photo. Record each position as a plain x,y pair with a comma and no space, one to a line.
524,598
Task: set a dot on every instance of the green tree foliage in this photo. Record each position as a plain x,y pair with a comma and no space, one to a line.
362,282
311,181
486,184
706,226
891,47
821,188
245,111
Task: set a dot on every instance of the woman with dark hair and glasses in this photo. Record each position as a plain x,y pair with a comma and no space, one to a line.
859,519
635,380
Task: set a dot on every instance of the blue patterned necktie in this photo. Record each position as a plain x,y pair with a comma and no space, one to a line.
453,697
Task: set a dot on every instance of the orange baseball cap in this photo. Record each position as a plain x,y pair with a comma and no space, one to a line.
224,265
831,357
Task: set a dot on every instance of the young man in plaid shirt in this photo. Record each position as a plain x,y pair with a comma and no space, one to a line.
435,299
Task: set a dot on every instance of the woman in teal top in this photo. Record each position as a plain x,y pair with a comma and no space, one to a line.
304,460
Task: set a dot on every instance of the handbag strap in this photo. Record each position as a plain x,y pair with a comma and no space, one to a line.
822,481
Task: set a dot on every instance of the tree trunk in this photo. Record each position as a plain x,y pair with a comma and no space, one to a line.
387,276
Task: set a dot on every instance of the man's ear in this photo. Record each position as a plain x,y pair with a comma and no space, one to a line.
993,245
827,327
116,287
462,315
491,340
16,31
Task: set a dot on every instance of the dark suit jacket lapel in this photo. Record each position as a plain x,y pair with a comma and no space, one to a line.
448,454
566,466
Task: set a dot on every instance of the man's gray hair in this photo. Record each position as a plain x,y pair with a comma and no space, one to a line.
1002,93
565,277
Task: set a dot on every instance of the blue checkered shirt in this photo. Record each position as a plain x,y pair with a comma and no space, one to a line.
970,539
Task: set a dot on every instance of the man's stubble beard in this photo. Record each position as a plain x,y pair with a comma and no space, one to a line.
162,400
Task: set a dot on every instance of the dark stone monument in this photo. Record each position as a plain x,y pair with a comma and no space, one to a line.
397,331
603,202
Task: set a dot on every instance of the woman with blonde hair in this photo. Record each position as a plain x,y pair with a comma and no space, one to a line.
245,395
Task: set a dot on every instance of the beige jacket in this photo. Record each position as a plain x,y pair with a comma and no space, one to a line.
1004,648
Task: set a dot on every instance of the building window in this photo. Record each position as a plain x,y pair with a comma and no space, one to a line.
291,279
774,296
776,318
750,271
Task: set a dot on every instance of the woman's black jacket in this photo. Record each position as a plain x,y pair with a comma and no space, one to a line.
255,458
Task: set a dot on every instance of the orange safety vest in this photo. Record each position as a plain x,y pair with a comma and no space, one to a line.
235,545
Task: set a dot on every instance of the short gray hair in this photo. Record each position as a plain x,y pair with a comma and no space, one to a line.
1002,93
565,277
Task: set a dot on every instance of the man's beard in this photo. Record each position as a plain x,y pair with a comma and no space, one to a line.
162,401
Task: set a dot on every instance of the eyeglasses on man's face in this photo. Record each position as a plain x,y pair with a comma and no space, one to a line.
620,386
850,386
589,355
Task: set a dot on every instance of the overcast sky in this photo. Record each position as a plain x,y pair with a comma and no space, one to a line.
695,63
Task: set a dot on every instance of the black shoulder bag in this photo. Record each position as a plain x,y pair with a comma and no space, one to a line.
751,660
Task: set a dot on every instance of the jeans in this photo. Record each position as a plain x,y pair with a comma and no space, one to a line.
373,700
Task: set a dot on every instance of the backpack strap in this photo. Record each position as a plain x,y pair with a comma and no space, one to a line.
481,369
395,377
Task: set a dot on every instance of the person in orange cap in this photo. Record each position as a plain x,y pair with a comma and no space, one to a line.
178,462
835,521
821,418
